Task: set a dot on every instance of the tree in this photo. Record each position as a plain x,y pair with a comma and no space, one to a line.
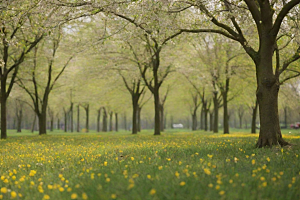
270,19
40,95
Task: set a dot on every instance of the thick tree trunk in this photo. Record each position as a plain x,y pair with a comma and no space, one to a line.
267,96
225,116
116,122
157,112
202,118
58,124
254,114
216,113
42,117
51,124
3,108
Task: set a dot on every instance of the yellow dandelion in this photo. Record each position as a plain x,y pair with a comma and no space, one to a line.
46,196
210,185
273,179
74,196
222,192
152,192
50,187
262,178
253,162
230,181
149,176
268,159
1,196
290,185
105,163
107,180
264,184
113,196
217,187
61,189
130,186
13,194
182,183
3,190
69,189
84,196
281,173
60,175
207,171
132,158
160,167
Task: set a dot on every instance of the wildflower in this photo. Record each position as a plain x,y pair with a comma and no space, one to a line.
210,156
149,176
268,159
152,192
281,173
207,171
222,192
1,196
84,196
32,173
46,196
182,183
230,181
132,158
160,167
253,162
130,186
264,184
50,187
113,196
210,185
105,163
107,180
217,187
177,174
60,175
61,189
262,178
74,196
290,185
3,190
274,179
13,194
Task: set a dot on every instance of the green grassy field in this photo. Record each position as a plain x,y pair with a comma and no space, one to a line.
179,164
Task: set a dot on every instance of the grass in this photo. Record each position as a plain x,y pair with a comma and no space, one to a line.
176,165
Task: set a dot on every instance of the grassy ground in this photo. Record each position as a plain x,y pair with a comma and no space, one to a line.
177,165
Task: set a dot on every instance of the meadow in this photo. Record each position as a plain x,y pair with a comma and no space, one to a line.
175,165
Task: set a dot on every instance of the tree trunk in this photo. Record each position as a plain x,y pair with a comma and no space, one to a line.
285,117
66,121
157,111
134,116
87,110
205,119
78,118
254,114
58,123
71,113
194,120
42,117
3,108
211,121
33,123
51,123
161,117
104,121
98,120
116,122
216,112
267,95
139,126
201,119
19,120
111,121
225,116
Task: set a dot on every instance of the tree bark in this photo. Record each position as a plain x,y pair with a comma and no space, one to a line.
225,116
98,120
78,118
139,126
194,120
3,108
58,124
87,110
254,114
19,119
71,113
116,122
161,106
211,121
111,121
66,120
42,117
216,112
104,121
135,107
157,111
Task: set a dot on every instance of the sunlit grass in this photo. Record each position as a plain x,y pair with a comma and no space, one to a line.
176,165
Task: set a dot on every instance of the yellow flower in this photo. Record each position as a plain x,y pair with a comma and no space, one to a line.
113,196
217,187
1,196
130,186
60,175
13,194
3,190
264,184
152,192
105,163
132,158
160,167
177,174
290,185
149,176
182,183
210,156
32,172
222,192
262,178
61,189
107,180
253,162
274,179
179,163
69,189
281,173
46,196
50,187
210,185
74,196
230,181
84,196
207,171
268,159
